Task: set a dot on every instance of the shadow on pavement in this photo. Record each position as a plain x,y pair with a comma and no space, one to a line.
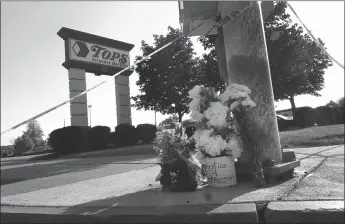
155,201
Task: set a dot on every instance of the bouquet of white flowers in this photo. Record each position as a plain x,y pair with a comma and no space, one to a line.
216,130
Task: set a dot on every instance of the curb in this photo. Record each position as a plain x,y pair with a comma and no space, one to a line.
228,213
305,212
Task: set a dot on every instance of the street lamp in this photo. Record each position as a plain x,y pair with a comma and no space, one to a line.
90,106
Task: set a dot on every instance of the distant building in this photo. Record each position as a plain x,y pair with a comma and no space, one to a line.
286,113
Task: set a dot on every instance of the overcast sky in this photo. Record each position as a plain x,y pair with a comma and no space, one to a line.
33,79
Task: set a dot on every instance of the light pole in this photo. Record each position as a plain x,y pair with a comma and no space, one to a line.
90,106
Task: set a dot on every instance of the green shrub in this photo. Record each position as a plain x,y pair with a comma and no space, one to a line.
305,117
325,116
55,139
70,139
99,137
126,134
146,133
23,144
114,139
338,115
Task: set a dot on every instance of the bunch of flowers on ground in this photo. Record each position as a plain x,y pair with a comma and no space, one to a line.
179,169
217,133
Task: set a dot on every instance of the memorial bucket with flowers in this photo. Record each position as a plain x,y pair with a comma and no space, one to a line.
217,137
220,171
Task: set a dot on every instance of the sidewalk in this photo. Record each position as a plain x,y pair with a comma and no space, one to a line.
133,196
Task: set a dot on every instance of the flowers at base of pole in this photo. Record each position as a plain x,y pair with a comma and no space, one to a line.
217,133
179,169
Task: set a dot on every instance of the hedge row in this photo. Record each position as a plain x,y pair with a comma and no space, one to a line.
126,134
323,115
74,139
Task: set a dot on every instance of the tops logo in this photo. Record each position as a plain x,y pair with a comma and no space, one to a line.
82,50
108,55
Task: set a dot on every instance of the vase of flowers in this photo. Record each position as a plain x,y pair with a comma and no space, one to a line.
217,137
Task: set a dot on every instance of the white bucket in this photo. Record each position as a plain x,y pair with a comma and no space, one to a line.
220,171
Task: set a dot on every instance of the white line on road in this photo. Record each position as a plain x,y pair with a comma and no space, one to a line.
6,167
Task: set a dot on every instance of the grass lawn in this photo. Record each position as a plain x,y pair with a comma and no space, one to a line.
314,136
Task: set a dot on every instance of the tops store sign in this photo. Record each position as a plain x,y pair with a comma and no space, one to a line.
95,54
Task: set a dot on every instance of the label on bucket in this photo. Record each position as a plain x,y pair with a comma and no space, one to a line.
220,171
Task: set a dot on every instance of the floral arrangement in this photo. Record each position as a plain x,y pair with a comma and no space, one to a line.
217,132
180,170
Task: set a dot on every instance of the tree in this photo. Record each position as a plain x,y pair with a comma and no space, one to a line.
169,122
165,80
34,132
332,104
23,144
208,65
297,64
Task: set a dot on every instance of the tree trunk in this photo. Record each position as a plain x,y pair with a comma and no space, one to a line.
293,105
180,121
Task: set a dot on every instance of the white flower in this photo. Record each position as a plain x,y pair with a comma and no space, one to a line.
234,105
212,145
215,145
194,105
216,114
240,87
201,137
234,91
248,103
195,92
196,116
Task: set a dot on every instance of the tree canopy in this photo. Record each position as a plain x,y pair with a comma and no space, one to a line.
297,64
164,81
34,131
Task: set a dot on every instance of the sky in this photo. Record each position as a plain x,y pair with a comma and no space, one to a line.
33,79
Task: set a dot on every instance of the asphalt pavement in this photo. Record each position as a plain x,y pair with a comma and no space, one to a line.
106,185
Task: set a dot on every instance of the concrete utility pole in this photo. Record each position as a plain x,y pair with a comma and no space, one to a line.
247,63
242,59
